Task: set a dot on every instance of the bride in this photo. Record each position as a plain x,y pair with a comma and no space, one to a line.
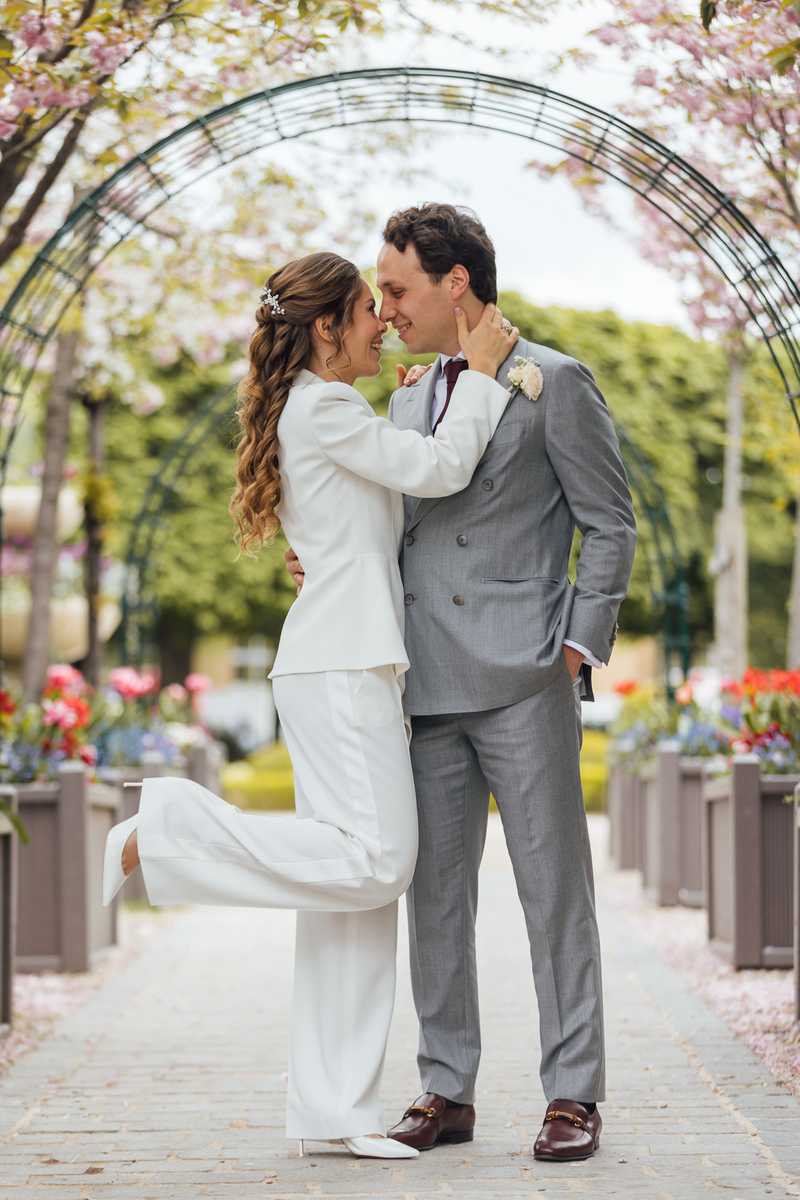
316,460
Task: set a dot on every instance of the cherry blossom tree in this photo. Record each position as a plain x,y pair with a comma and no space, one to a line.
758,19
106,70
715,98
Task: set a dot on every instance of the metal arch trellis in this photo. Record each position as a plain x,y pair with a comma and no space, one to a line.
151,525
665,571
373,95
666,575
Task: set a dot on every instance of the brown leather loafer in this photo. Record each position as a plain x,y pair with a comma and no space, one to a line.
569,1132
432,1121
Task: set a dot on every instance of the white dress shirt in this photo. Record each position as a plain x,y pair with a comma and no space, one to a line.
437,407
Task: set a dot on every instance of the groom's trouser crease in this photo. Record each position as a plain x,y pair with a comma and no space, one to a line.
528,755
343,864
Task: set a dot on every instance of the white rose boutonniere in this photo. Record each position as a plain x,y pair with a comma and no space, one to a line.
526,376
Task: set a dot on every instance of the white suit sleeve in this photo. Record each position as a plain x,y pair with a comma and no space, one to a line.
404,460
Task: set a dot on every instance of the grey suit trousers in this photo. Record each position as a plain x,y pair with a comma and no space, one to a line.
527,755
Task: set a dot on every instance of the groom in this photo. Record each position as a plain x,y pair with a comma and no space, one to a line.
501,646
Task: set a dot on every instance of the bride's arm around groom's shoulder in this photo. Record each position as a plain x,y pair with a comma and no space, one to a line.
350,434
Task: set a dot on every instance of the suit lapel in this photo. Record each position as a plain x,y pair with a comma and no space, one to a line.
418,399
423,424
420,419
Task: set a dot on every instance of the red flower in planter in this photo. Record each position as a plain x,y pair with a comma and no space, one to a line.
68,712
626,687
7,705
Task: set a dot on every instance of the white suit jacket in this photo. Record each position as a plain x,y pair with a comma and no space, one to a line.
343,474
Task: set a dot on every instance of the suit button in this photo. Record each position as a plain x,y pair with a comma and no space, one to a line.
410,540
462,539
409,598
458,599
487,485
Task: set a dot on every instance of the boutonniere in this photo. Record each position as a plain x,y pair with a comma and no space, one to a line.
526,376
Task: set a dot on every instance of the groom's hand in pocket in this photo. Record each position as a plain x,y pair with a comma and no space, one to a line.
574,659
294,568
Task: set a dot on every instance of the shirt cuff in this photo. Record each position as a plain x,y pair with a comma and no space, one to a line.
591,659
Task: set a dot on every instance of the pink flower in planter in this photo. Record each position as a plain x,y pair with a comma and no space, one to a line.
58,712
197,684
61,677
177,692
132,685
88,754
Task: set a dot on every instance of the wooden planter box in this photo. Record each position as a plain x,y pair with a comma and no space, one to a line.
796,841
669,803
8,912
61,923
622,817
749,853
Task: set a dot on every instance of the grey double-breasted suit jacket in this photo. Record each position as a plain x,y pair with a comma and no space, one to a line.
485,572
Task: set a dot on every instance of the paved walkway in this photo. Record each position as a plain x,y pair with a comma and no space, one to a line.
170,1082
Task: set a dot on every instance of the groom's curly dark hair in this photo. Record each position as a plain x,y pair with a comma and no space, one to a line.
445,236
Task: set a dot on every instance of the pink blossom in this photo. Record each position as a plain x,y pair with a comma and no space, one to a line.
6,128
197,684
37,32
645,77
106,56
177,693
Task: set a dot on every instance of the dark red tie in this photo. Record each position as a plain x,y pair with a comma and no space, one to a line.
452,370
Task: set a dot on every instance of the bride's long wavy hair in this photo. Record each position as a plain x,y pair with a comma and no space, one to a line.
316,286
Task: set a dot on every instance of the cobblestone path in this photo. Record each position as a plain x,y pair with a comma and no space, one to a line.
170,1082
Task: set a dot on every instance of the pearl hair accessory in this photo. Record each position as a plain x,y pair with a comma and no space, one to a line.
268,298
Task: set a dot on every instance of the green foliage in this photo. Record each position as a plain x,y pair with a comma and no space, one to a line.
15,820
262,781
594,769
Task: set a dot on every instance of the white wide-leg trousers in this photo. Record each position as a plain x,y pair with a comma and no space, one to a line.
343,864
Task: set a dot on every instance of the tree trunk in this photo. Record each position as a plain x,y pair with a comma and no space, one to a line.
793,640
730,552
56,436
95,533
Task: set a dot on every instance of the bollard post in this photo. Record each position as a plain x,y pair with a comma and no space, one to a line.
8,911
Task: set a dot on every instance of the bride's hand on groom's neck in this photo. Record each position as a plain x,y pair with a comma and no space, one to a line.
487,346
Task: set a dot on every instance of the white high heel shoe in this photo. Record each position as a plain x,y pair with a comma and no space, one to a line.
372,1147
113,874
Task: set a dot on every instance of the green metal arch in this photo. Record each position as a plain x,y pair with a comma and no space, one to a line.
112,211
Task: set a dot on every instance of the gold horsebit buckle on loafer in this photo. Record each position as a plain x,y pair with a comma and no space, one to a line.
573,1120
428,1112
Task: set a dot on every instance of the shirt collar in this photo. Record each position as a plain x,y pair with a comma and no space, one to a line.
444,359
